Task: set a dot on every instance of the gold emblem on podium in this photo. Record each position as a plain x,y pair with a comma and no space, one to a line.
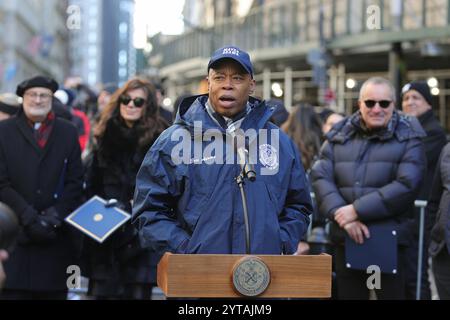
251,276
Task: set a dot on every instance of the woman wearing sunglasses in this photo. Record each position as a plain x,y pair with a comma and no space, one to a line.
119,268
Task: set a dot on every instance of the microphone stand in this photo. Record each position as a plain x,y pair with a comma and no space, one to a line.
246,172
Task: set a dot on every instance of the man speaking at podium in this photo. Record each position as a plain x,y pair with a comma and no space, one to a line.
187,198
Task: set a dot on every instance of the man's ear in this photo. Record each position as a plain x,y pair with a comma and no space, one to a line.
359,104
252,87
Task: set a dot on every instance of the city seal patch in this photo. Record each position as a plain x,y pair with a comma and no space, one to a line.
268,156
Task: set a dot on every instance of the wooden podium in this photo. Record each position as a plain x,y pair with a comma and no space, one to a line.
213,276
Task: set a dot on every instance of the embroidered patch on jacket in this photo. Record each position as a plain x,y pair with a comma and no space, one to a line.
268,156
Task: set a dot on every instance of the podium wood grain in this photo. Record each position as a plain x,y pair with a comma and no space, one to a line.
210,276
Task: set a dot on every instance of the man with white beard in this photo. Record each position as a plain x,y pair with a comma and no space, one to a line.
41,180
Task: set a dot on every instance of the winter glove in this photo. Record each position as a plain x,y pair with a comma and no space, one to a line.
41,231
44,228
51,217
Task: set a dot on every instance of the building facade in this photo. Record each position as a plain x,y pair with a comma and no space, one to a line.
321,51
101,47
36,41
86,39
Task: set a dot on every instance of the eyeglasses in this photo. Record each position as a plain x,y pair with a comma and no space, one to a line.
35,95
138,102
382,103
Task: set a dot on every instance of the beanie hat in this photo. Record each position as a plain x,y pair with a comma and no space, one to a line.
421,87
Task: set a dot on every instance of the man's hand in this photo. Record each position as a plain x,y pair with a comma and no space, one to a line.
3,257
357,231
302,248
345,215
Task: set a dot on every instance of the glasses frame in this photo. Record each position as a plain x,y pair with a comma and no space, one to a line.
125,100
35,95
384,104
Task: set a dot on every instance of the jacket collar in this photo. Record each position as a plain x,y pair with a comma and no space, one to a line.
27,131
193,109
426,116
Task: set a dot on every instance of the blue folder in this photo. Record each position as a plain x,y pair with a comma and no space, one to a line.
379,250
96,220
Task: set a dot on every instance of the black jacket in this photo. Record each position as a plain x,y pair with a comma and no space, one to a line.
31,180
379,173
434,142
111,173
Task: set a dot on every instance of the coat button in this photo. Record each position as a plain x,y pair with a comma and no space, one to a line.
38,191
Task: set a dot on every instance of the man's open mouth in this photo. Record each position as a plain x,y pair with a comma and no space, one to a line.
227,99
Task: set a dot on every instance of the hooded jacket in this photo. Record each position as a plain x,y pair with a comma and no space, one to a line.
196,206
380,173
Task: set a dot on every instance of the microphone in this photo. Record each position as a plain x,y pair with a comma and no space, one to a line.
248,169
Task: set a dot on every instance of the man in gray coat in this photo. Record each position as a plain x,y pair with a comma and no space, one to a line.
369,173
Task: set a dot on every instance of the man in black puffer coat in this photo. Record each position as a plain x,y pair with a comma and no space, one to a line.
369,173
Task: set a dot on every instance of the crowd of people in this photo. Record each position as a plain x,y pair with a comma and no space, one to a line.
61,144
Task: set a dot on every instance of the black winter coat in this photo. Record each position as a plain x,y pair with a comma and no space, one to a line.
434,142
111,173
31,180
379,173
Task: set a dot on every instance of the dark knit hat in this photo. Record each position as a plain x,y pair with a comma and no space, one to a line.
325,114
39,81
9,103
422,88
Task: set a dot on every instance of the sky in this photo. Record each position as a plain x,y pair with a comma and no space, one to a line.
153,16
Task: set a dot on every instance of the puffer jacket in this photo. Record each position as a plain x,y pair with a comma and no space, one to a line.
196,207
378,172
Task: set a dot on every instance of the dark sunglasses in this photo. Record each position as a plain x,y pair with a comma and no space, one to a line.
383,103
138,102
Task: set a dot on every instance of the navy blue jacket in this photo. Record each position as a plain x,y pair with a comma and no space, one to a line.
379,173
196,207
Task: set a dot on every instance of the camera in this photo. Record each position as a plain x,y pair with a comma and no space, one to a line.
9,227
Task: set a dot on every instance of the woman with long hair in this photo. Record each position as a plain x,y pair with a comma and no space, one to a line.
119,268
304,127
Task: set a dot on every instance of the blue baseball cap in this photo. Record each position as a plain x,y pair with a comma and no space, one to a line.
231,52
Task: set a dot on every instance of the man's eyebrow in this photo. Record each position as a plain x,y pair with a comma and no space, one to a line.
241,73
